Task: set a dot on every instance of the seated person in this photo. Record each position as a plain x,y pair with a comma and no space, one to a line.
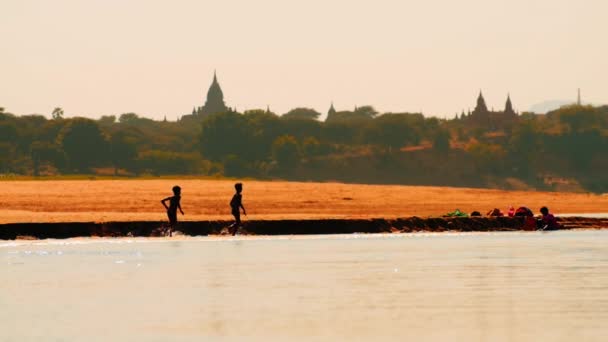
529,223
524,211
495,212
547,221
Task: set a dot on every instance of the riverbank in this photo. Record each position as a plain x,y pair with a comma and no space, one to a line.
207,200
61,230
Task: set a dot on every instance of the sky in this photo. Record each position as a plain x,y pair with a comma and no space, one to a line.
157,58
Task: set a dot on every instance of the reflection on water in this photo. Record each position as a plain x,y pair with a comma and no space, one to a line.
433,287
591,215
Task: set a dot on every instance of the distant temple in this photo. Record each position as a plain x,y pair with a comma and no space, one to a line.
213,104
332,110
491,119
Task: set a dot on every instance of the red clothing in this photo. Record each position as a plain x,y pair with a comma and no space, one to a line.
550,221
511,212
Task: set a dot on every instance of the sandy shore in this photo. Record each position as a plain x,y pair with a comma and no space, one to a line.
139,200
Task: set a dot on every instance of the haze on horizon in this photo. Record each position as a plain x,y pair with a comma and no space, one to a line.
156,58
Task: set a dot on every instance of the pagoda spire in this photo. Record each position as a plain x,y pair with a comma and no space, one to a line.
509,105
215,99
481,103
331,110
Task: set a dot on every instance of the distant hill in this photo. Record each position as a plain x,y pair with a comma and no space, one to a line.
551,105
547,106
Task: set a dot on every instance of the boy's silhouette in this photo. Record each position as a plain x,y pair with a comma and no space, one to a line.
173,206
235,205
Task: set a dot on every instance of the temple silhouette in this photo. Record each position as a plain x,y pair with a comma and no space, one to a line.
481,116
213,104
493,120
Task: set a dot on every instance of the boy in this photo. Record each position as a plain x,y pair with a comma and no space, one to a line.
235,205
173,206
547,221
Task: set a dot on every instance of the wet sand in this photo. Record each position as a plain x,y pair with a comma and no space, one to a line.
284,227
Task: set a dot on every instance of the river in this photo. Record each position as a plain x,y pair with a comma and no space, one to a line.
507,286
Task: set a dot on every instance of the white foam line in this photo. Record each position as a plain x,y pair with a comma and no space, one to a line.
229,239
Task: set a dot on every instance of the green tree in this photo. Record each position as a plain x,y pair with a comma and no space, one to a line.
525,139
7,157
311,147
300,128
488,157
49,131
223,134
393,130
123,149
107,120
57,113
581,118
263,128
45,154
128,118
234,166
366,112
83,143
254,112
441,141
301,113
171,163
8,131
286,151
523,145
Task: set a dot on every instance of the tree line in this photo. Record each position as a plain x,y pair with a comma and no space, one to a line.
564,149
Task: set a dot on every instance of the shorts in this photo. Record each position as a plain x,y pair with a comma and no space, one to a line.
172,217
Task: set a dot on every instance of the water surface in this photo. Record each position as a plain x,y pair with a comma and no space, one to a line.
529,286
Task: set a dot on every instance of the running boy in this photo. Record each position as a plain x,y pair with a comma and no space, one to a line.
235,205
173,206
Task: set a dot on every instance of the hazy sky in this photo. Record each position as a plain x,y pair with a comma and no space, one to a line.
156,58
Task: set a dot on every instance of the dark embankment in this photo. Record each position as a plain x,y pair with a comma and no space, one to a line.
283,227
